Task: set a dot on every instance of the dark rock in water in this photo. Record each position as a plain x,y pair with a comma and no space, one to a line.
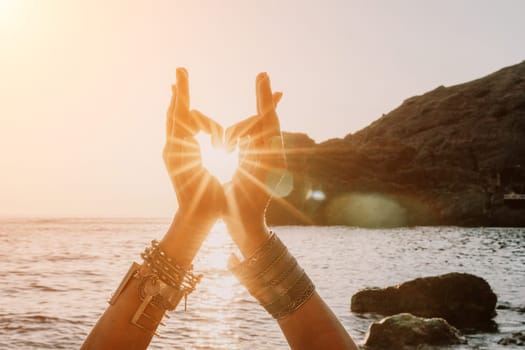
447,157
465,301
406,331
507,306
503,306
515,339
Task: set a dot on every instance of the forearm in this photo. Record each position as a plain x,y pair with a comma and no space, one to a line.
114,329
314,326
308,323
122,325
248,234
185,236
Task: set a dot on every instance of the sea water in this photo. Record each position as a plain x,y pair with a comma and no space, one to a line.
57,274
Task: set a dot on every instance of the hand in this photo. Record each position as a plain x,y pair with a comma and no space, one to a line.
200,195
262,164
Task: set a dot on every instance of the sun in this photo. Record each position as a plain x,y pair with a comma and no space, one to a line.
218,161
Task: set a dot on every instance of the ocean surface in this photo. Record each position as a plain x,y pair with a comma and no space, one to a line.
56,276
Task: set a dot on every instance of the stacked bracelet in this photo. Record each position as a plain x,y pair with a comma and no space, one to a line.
171,280
274,278
162,282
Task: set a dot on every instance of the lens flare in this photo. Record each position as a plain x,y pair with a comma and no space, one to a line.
366,210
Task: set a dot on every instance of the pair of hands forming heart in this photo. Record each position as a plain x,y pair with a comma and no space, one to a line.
242,201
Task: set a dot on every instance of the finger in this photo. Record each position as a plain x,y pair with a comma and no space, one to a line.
171,110
266,104
264,94
183,125
273,141
271,125
209,126
181,150
276,97
249,156
242,128
277,155
183,87
269,128
182,157
249,126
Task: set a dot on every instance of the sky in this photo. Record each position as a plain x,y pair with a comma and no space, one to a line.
84,85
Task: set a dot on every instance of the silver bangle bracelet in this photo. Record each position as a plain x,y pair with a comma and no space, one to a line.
273,277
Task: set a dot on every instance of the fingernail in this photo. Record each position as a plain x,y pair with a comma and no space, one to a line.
181,72
262,76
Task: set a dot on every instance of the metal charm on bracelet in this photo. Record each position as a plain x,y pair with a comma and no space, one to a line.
162,283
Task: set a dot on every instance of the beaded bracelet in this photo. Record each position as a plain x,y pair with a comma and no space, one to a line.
162,283
273,277
168,272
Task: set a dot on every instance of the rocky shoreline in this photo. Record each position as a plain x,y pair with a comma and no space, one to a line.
431,311
464,300
452,156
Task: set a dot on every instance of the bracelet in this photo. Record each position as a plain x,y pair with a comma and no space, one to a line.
273,277
162,283
171,277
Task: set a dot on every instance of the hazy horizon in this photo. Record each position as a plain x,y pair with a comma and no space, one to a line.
85,85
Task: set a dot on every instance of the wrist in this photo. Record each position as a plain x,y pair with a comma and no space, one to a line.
248,235
273,276
185,236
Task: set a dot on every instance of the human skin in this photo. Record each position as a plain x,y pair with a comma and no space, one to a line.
313,325
201,200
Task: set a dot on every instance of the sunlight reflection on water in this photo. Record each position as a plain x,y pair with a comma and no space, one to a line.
58,274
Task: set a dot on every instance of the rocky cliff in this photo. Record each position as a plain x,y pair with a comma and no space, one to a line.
452,156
